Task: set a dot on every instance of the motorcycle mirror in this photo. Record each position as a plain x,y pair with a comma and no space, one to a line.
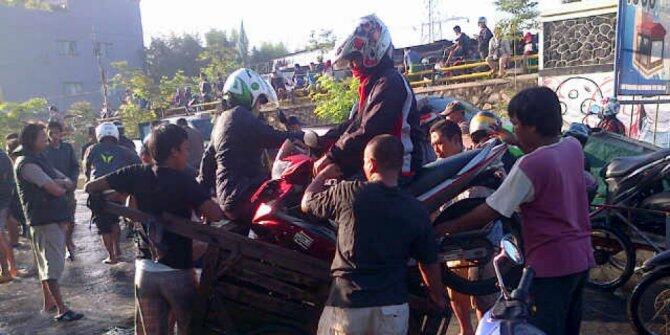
311,139
511,250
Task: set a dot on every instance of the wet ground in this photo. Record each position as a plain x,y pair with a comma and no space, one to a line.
104,294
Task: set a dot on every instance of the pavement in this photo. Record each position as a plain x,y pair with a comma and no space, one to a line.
104,294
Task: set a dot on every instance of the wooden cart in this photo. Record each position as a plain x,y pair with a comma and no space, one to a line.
252,287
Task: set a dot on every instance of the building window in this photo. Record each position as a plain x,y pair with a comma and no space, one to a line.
105,49
73,88
67,48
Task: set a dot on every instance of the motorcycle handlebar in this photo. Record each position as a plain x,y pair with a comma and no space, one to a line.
523,290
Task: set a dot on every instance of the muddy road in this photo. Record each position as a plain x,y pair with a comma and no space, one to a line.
104,293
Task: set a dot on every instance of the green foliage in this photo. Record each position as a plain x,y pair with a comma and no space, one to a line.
334,98
321,40
14,115
132,115
134,81
520,14
167,55
31,4
80,117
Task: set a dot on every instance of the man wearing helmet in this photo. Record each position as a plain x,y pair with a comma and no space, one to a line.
608,114
233,161
102,158
386,103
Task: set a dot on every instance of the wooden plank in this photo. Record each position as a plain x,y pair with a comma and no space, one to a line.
202,307
275,285
264,302
251,248
283,273
248,319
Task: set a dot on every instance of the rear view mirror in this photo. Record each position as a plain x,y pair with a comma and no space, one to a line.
511,250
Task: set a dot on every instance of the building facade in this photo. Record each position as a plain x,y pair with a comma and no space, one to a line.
52,53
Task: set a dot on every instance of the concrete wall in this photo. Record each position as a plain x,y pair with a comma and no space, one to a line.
32,62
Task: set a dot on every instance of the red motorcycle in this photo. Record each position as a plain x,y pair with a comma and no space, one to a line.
278,219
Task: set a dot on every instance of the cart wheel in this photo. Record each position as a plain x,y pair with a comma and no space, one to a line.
614,255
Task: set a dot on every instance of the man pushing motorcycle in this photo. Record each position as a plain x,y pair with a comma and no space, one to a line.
386,103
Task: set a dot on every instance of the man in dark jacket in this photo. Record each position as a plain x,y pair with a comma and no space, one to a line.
123,140
62,156
233,160
386,102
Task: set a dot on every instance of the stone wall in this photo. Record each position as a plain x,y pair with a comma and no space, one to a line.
492,94
580,41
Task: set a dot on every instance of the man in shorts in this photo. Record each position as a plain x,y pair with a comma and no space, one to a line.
105,157
42,191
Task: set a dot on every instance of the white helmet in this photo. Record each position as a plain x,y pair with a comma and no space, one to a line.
106,129
245,86
371,39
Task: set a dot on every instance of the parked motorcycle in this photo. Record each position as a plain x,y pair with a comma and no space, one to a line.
634,216
509,315
279,220
649,305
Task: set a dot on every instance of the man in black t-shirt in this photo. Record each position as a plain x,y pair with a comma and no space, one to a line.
459,50
379,227
164,279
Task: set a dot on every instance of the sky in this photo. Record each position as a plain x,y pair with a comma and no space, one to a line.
290,21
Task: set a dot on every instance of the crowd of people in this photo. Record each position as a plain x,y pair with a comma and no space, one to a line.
492,47
380,227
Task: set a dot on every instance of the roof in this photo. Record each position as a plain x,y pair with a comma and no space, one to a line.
652,29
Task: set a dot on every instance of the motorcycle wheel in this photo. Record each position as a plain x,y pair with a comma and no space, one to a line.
649,305
482,286
614,255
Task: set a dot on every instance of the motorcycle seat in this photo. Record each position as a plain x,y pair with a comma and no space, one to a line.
432,174
659,201
624,165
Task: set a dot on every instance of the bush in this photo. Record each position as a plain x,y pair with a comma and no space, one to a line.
334,98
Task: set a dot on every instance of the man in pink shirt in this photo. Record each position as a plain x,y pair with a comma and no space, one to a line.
547,187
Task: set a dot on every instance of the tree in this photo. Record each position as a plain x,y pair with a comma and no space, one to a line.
321,40
267,51
334,98
220,54
13,115
80,116
243,45
521,14
167,55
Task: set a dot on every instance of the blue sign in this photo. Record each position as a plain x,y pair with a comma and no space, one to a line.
643,48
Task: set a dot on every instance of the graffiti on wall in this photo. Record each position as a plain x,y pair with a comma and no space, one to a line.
577,93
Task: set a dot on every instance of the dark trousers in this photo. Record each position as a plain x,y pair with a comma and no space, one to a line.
558,302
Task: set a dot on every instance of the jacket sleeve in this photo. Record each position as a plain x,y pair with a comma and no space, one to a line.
382,115
207,174
270,137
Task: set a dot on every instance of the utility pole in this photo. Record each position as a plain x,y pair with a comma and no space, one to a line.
431,31
97,52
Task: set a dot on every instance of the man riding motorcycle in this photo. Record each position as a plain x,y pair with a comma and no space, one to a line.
386,103
233,160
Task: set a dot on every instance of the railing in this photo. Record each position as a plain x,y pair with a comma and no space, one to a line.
447,74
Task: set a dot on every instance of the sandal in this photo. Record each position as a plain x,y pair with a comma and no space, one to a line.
70,315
